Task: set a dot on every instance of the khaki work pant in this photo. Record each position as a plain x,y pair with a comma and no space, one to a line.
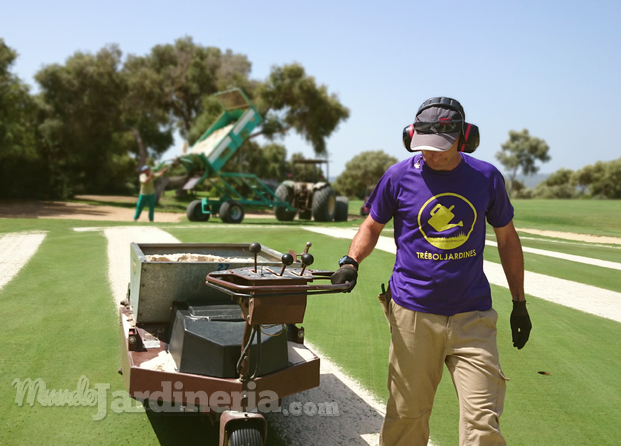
421,344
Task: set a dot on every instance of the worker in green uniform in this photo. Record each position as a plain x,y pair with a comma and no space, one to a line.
147,191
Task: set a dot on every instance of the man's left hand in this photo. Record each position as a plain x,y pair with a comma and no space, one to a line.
520,324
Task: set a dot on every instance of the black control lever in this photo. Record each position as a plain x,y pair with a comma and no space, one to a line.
307,260
287,259
255,248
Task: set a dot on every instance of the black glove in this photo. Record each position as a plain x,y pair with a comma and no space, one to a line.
520,324
346,273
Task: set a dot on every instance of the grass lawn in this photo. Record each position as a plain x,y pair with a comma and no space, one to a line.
352,331
60,323
597,217
611,253
605,278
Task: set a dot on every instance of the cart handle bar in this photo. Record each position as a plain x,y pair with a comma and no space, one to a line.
279,290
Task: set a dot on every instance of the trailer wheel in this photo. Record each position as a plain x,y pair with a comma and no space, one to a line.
284,193
324,204
232,212
245,436
342,209
195,211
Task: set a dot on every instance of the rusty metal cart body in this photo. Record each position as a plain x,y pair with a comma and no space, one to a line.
220,322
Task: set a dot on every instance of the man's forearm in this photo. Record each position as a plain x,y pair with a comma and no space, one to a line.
512,261
365,240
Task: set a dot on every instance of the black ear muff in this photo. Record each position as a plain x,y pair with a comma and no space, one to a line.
408,132
470,139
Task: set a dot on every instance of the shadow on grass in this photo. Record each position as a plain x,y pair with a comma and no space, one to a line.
193,429
184,428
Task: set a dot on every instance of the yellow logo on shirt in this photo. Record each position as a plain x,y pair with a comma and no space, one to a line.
447,220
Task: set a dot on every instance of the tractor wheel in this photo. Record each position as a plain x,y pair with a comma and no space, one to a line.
284,193
342,209
195,211
305,215
245,436
232,212
324,204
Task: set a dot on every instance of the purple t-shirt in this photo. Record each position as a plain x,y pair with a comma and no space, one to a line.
439,219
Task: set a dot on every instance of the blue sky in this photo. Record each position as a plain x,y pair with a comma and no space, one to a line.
549,66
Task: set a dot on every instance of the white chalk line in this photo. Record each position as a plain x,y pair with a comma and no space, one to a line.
570,257
567,242
16,249
586,298
560,239
119,265
360,413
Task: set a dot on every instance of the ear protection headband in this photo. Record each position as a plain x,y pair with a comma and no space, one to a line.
469,135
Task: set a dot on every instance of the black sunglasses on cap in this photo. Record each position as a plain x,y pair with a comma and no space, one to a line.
443,126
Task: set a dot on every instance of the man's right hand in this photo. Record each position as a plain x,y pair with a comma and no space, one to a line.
520,324
346,273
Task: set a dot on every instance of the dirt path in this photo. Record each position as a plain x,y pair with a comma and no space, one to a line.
15,251
359,415
586,298
574,236
76,211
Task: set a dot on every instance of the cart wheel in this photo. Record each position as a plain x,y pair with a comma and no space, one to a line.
232,212
245,436
195,211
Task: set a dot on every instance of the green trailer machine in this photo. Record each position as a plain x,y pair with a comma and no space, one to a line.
218,144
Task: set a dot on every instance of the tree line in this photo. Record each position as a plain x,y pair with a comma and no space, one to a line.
98,117
522,151
599,180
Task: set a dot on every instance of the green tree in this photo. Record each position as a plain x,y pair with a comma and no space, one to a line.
83,141
268,161
288,100
291,100
522,151
185,73
144,112
606,179
613,171
557,185
362,171
302,169
582,179
520,190
22,172
559,178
